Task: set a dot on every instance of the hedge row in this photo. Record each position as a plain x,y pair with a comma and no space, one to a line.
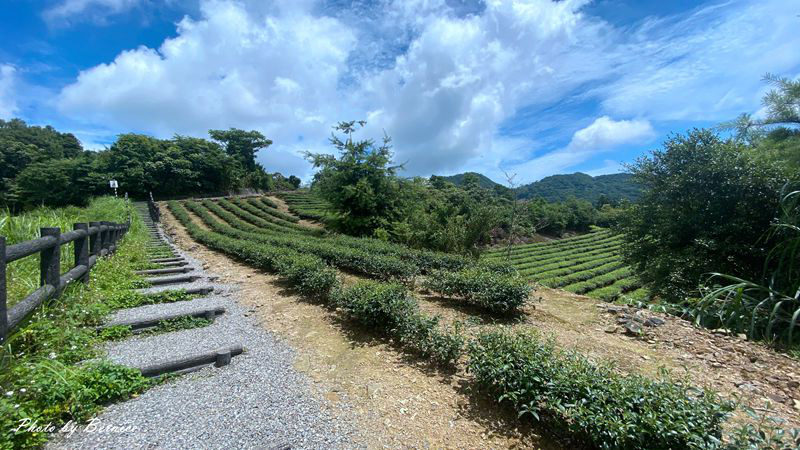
613,291
350,259
388,306
261,212
567,255
498,293
552,250
269,207
591,404
385,307
538,246
274,225
577,267
424,259
601,266
599,281
559,264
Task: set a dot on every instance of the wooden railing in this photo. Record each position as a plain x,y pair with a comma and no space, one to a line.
92,241
155,214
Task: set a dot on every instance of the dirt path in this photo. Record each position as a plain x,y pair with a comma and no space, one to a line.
399,400
390,390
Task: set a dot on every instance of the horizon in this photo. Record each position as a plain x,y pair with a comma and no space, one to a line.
536,88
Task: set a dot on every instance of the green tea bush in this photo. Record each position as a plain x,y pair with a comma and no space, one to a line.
389,307
495,292
385,307
591,404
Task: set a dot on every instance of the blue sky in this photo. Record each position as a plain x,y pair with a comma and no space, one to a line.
531,87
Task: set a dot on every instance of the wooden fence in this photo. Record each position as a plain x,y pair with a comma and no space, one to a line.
92,240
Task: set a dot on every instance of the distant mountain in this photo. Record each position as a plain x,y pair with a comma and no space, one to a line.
616,186
483,180
554,188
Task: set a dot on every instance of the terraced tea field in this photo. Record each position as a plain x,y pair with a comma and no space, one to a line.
589,264
306,205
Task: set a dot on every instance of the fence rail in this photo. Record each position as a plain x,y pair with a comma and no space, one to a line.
92,241
155,214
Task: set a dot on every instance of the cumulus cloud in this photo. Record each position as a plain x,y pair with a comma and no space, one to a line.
68,11
440,80
278,74
601,136
8,103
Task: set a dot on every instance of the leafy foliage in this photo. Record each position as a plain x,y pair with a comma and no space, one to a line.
558,188
360,183
705,207
40,166
768,308
499,293
43,373
590,403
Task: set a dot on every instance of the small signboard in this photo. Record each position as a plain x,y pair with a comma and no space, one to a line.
113,184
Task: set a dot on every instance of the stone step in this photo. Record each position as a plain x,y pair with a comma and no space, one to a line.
174,279
164,271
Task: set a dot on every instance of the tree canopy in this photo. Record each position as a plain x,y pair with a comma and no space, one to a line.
39,165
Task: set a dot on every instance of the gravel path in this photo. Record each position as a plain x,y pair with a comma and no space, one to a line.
258,401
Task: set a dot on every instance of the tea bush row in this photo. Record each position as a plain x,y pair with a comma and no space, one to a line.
495,292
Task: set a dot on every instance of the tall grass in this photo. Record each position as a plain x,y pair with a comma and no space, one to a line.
769,308
23,275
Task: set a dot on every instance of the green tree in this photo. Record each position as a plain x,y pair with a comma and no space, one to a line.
705,206
242,145
360,182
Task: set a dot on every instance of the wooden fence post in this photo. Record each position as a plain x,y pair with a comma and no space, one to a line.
82,249
94,240
104,237
3,297
50,261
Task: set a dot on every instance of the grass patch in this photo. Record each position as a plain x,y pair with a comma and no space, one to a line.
40,375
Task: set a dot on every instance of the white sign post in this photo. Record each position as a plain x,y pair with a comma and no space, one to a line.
114,185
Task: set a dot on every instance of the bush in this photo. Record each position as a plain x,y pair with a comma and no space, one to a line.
705,206
592,404
500,293
388,307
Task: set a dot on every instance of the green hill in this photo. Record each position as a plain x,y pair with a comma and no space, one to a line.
616,186
483,180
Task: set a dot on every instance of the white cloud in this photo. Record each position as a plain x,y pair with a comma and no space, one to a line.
706,66
278,74
601,136
97,10
8,103
439,82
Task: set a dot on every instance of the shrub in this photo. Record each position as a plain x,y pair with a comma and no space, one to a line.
706,204
388,306
590,403
496,292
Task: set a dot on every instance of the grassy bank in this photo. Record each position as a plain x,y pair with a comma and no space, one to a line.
40,376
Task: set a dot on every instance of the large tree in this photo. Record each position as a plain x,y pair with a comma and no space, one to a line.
242,145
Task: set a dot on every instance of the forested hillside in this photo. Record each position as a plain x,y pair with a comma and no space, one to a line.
558,188
616,187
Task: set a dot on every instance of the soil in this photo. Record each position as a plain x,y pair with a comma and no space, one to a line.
404,403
